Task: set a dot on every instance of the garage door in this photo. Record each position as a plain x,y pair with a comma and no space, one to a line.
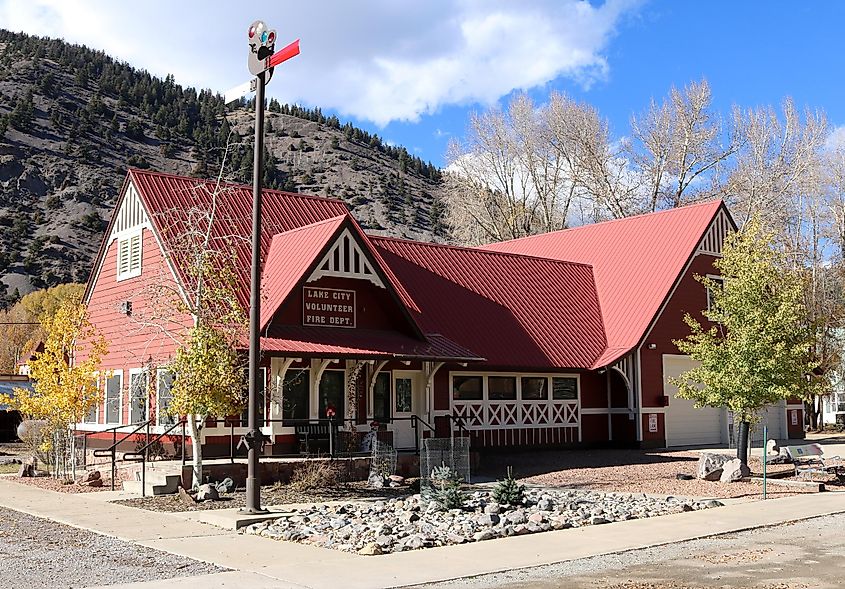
686,425
773,417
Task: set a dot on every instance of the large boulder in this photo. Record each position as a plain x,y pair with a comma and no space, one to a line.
710,466
207,492
734,470
227,485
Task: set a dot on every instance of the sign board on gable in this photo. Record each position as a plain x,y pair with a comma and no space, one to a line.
328,307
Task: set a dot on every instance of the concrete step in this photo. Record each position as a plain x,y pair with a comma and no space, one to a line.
155,484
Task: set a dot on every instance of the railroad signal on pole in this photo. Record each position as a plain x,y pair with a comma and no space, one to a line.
261,61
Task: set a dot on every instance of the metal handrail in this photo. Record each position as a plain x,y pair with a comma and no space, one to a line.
458,421
143,452
110,451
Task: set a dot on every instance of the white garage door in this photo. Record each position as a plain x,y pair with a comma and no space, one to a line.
772,416
686,425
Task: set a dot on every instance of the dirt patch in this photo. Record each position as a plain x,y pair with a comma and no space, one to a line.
60,486
631,471
270,495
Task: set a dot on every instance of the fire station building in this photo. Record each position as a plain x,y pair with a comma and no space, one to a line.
562,339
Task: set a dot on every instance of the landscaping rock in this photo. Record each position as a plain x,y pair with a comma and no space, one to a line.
92,483
207,492
395,478
734,470
371,549
412,523
91,475
26,471
227,485
376,481
710,466
684,477
186,497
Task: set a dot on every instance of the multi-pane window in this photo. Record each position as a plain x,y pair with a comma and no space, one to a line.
114,386
467,388
404,395
501,388
381,396
535,388
138,396
164,385
295,394
564,388
718,284
129,256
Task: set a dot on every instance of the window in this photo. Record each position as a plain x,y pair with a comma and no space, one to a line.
114,387
129,257
564,388
719,284
91,416
404,395
501,388
331,394
466,388
295,394
261,400
381,396
164,383
138,400
535,388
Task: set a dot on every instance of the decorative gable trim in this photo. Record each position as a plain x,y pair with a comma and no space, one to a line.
714,239
131,216
346,259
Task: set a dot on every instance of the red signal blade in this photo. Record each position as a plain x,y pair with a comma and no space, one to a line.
285,54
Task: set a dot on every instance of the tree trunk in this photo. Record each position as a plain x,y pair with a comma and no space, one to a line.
742,442
196,448
812,413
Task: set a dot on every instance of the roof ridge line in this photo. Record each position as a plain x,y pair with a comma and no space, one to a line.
232,184
479,250
610,221
311,225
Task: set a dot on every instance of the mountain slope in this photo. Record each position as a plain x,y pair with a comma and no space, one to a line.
72,120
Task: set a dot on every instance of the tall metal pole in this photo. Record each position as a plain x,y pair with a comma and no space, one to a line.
253,482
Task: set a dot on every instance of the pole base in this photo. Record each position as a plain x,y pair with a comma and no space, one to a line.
253,498
258,511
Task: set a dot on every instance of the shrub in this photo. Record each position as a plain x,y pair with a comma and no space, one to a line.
314,474
508,491
445,488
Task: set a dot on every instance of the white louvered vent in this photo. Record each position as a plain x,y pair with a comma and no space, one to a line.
129,254
714,239
346,259
131,213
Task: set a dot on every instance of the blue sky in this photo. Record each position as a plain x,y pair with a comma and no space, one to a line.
413,72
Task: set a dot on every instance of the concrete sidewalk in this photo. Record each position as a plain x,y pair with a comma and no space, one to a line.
269,563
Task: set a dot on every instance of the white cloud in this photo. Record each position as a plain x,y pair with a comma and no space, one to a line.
836,139
378,60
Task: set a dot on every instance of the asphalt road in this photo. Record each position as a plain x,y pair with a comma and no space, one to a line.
802,555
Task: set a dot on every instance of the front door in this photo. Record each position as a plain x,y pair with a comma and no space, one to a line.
404,394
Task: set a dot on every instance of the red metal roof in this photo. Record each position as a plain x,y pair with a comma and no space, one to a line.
173,202
291,254
516,311
636,262
362,343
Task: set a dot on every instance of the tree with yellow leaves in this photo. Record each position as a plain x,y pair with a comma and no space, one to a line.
64,390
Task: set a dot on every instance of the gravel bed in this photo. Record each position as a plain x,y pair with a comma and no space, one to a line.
277,494
38,553
398,525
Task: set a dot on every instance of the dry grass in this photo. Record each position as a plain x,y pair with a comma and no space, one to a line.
315,474
9,468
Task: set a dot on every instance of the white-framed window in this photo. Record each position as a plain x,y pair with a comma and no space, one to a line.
720,282
164,383
114,397
129,254
94,411
139,401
